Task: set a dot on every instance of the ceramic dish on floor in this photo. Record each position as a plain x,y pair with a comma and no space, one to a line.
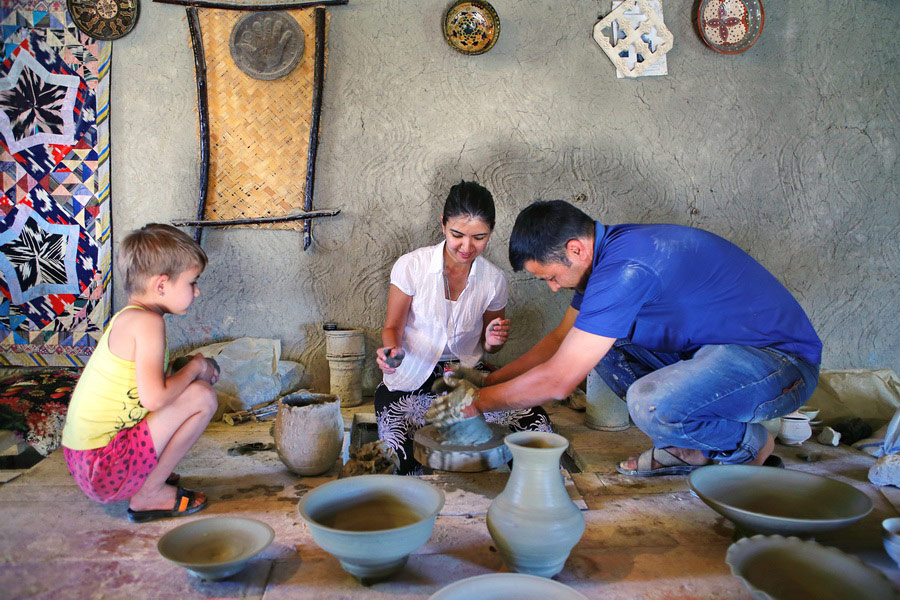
371,523
779,568
779,501
506,586
217,547
730,26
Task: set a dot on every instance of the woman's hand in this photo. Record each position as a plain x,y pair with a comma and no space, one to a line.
389,358
496,334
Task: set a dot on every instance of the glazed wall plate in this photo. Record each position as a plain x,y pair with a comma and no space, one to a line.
471,26
730,26
633,48
104,19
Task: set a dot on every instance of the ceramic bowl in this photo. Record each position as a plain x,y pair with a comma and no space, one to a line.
891,538
506,586
371,523
217,547
809,412
730,26
795,429
779,501
471,26
776,568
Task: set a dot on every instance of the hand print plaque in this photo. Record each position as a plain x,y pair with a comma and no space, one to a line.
266,45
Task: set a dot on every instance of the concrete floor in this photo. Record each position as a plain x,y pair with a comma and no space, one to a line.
645,538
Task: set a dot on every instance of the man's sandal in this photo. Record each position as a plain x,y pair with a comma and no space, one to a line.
670,464
185,504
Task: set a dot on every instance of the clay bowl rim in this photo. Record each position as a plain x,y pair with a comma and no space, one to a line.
739,549
449,590
200,566
838,522
301,505
890,528
558,442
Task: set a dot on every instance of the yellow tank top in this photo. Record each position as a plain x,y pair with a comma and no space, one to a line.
105,400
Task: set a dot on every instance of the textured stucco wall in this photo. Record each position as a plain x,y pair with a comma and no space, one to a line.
789,149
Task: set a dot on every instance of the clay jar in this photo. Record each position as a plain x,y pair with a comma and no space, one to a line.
533,521
309,432
795,429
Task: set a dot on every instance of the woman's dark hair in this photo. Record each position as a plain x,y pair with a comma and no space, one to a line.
469,199
542,231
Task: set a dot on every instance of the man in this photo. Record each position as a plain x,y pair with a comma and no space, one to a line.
701,340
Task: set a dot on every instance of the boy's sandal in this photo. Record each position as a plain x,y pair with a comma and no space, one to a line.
184,505
670,464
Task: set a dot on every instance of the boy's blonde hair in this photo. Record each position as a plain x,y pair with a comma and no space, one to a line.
156,249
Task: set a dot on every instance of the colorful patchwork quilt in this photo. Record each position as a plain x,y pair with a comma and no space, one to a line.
55,242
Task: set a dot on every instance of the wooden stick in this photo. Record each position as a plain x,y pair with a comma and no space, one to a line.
319,84
253,6
202,109
314,214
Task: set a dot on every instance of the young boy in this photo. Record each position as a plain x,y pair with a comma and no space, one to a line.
129,421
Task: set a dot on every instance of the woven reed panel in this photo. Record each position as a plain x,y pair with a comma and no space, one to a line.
259,130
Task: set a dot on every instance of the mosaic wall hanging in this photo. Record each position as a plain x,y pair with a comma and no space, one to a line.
260,77
54,202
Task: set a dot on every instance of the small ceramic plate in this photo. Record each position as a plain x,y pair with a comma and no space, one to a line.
471,26
507,586
730,26
775,567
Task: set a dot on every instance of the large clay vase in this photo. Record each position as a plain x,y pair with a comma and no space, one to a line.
533,521
309,432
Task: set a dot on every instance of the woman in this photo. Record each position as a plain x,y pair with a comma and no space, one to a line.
446,304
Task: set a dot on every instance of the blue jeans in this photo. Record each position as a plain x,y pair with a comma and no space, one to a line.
711,399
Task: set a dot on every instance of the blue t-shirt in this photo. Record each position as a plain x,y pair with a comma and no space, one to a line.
672,288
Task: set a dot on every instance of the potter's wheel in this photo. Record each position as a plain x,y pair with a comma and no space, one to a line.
430,452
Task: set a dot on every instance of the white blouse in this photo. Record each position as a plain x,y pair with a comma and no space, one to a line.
434,323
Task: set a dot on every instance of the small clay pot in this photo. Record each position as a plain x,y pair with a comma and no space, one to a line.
309,432
795,429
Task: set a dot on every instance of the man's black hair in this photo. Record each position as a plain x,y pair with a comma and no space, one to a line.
542,231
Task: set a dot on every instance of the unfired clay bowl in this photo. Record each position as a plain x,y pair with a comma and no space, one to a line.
779,568
371,523
217,547
891,538
779,501
506,586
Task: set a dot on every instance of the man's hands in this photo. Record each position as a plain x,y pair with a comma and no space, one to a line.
454,403
473,376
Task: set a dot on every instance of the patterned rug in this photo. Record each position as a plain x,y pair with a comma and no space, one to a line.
54,201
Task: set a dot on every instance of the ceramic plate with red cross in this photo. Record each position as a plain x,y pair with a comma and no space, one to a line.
730,26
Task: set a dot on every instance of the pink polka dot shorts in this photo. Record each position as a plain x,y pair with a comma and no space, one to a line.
118,470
